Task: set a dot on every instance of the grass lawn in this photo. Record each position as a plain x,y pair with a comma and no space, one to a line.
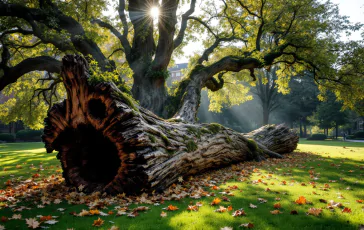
333,170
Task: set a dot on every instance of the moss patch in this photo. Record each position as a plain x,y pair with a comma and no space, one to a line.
214,127
191,146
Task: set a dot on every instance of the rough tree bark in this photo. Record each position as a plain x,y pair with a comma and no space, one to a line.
108,143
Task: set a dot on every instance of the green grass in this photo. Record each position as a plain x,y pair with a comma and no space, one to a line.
324,161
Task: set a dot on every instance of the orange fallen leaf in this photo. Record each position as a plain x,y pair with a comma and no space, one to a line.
230,208
346,210
171,208
94,212
301,200
359,201
98,222
216,201
277,205
45,218
110,212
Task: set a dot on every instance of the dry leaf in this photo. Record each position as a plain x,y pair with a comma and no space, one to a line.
142,208
98,222
32,223
294,212
163,214
252,206
16,217
247,225
277,205
50,221
346,210
192,208
239,213
261,200
275,212
301,200
215,201
221,209
314,211
171,208
94,212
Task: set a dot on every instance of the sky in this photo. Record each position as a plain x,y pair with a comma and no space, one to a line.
352,8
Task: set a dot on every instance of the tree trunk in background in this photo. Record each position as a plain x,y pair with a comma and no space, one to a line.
107,142
336,130
265,115
304,130
301,132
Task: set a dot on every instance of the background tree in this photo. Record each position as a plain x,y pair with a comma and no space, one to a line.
330,115
267,91
241,36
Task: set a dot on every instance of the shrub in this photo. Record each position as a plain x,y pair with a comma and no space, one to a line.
29,135
349,137
6,137
317,137
359,134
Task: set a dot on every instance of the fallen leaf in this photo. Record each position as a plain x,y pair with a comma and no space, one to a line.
323,201
98,222
163,214
16,217
239,213
50,221
359,201
314,211
192,208
261,200
277,205
230,208
294,212
45,218
275,212
346,210
171,208
247,225
226,228
215,201
32,223
301,200
114,228
221,209
94,212
143,208
252,206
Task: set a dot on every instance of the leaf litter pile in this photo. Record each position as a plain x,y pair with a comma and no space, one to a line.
214,190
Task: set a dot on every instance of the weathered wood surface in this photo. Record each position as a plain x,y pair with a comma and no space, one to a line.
107,143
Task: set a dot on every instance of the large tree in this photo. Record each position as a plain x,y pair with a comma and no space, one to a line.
238,36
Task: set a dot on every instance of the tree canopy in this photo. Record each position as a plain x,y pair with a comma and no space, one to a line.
239,36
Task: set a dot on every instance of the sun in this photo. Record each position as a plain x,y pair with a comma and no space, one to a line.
154,12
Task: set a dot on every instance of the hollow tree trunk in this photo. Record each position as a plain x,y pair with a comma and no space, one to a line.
106,142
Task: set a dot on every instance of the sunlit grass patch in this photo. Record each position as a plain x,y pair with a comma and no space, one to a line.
328,173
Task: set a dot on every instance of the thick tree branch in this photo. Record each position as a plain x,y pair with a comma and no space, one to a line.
208,51
83,44
166,26
179,39
123,40
122,16
41,63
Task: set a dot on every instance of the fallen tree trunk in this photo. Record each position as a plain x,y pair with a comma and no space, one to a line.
107,143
